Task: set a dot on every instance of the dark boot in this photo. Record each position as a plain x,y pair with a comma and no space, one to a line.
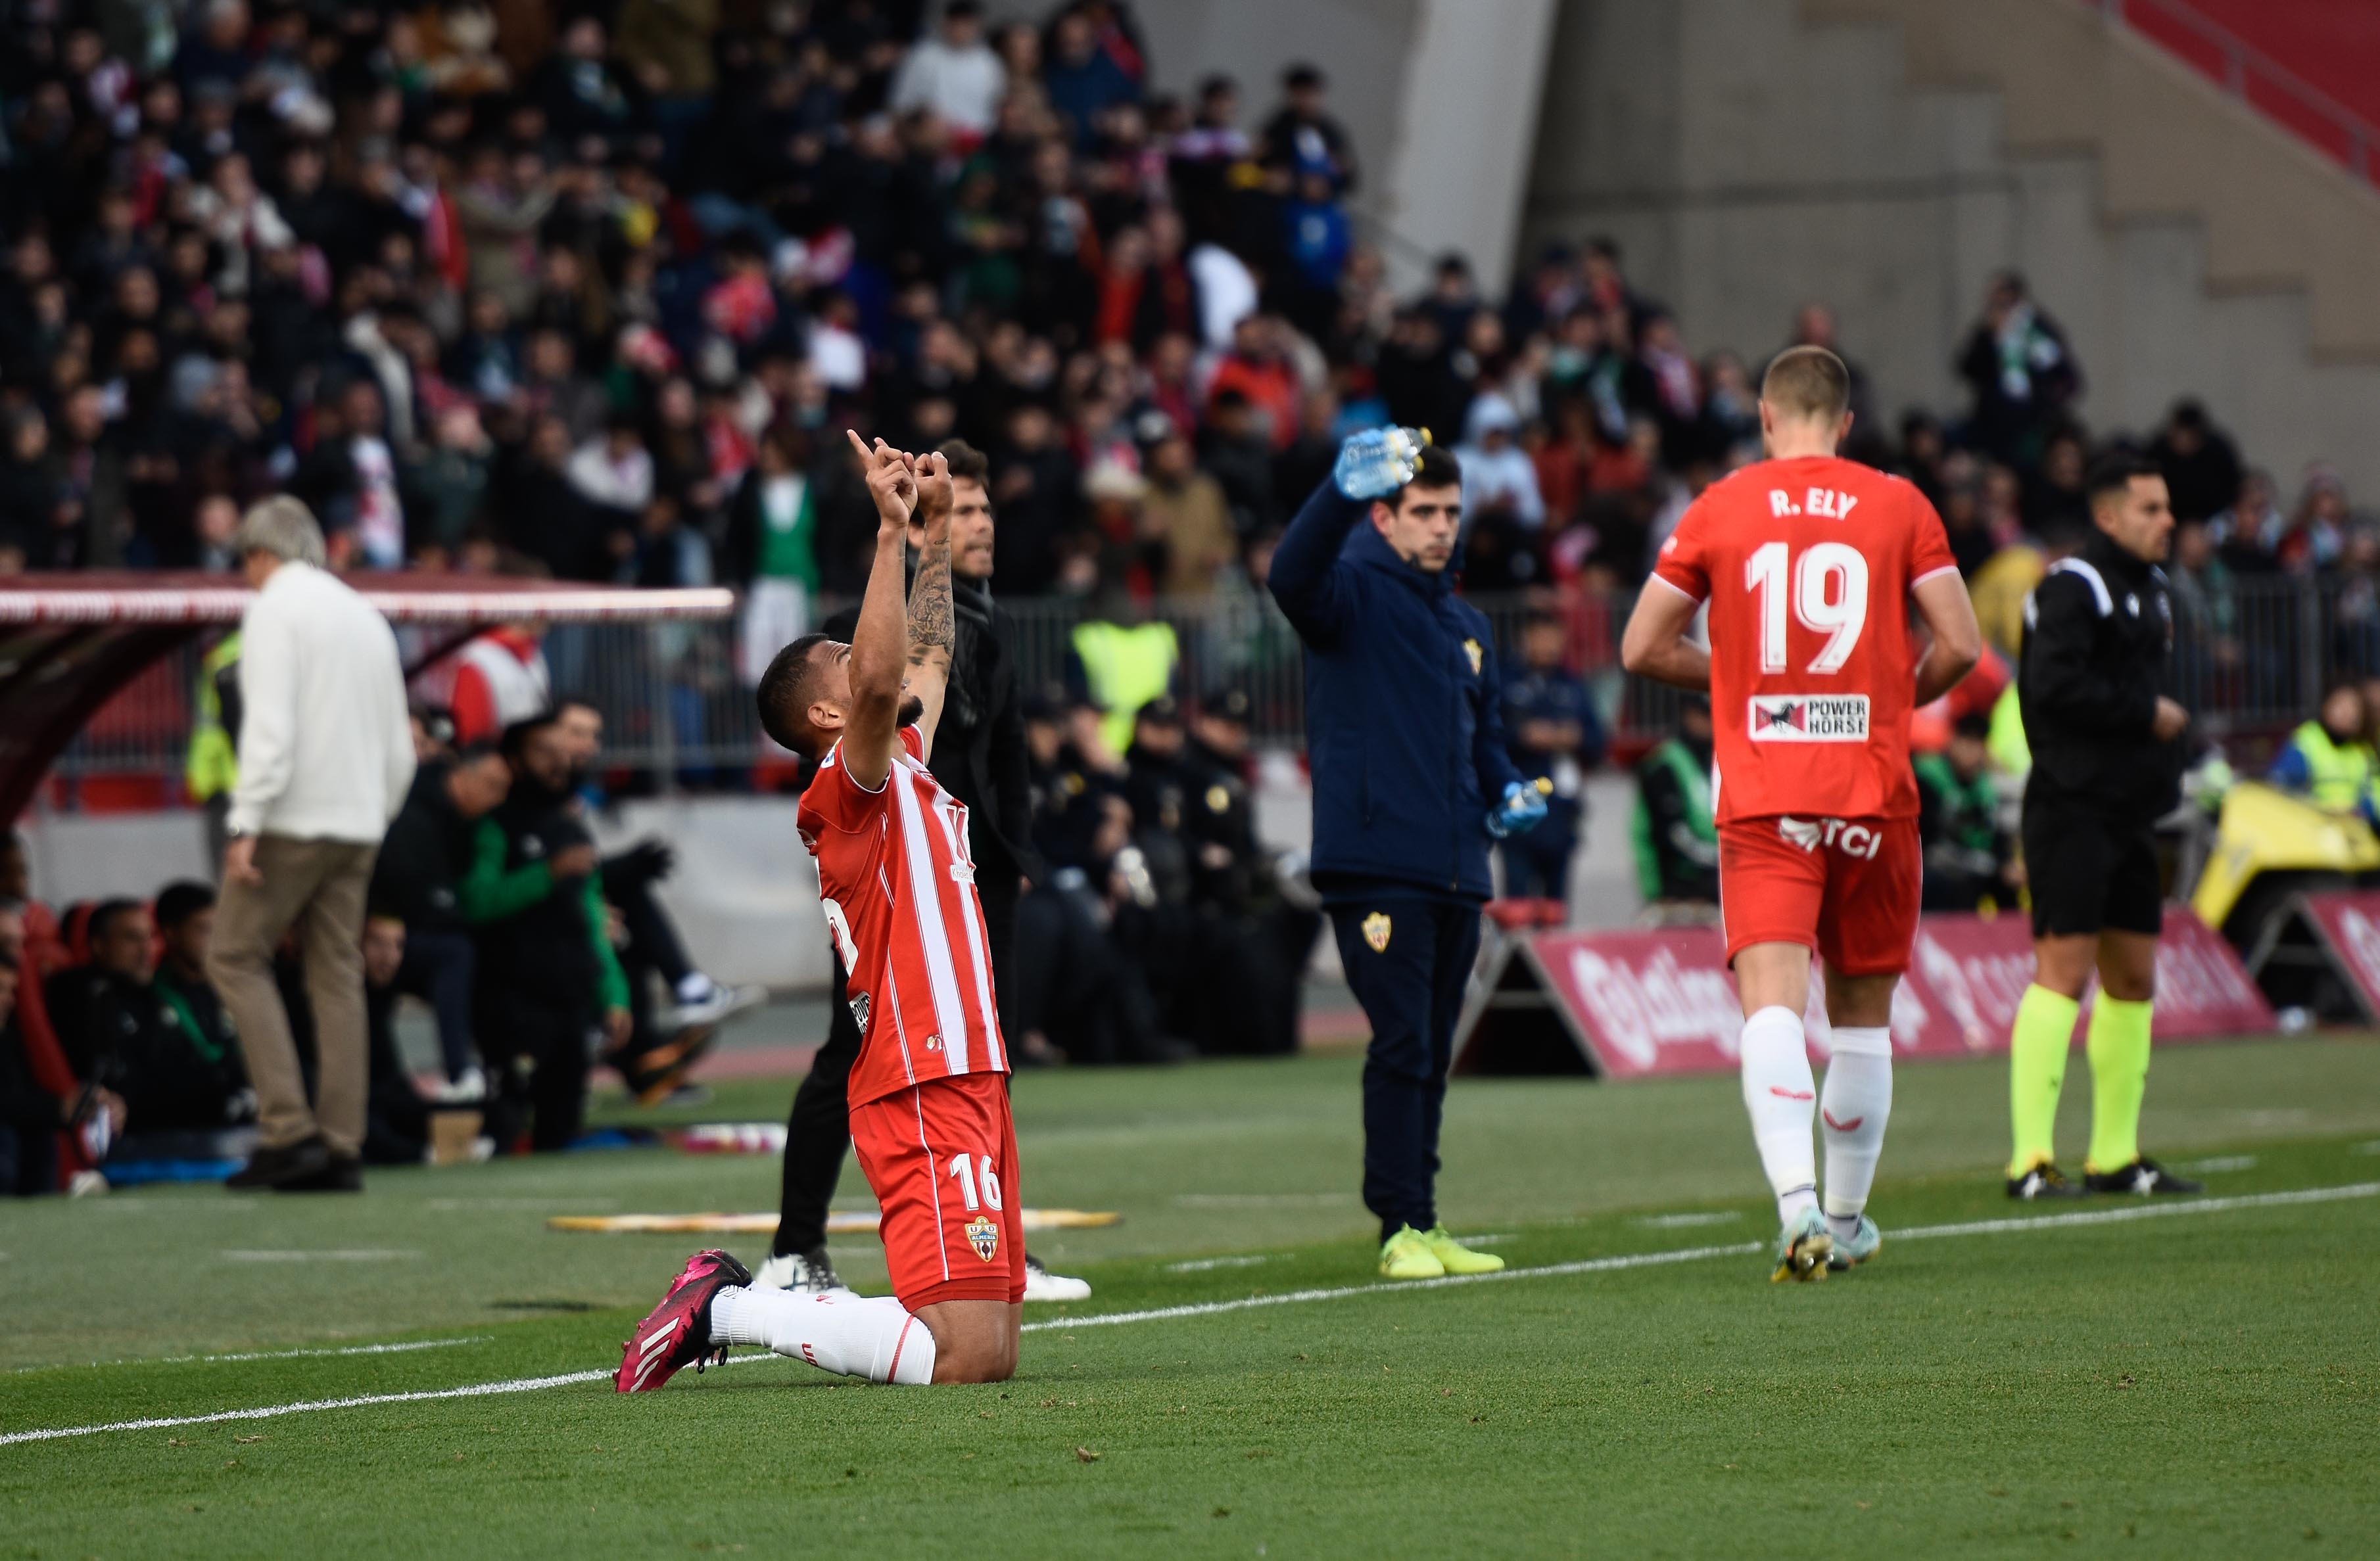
306,1159
341,1173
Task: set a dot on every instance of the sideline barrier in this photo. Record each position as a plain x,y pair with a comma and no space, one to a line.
1650,1002
2338,931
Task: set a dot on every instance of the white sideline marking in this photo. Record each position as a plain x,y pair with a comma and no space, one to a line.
1687,1221
2219,1163
405,1349
1687,1254
1259,1200
1288,1298
335,1254
476,1390
2147,1210
518,1206
162,1423
1292,1297
1200,1264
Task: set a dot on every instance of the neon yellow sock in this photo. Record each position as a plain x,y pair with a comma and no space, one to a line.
2118,1044
2038,1044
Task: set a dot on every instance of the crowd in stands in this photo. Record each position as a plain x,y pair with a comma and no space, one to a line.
112,1041
589,291
580,287
489,903
1157,926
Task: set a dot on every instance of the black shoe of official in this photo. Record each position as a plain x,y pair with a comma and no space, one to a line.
301,1161
2142,1178
344,1173
2044,1181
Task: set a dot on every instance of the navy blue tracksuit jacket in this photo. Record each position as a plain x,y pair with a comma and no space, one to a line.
1406,743
1402,726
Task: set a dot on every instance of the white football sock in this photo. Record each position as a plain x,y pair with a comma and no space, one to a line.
1857,1101
1781,1096
871,1337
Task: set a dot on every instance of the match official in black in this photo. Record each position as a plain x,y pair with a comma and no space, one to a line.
2095,684
1412,781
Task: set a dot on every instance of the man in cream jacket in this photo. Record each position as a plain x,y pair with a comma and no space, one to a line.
325,756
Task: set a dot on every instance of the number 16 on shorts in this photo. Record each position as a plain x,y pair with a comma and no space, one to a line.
969,1171
941,1159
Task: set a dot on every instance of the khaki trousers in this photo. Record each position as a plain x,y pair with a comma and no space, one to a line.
316,887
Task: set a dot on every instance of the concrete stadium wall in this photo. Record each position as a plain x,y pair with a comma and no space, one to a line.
1886,156
1439,96
1360,45
745,894
77,856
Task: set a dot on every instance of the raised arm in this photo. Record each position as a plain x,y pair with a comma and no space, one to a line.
932,629
1306,579
1943,605
880,646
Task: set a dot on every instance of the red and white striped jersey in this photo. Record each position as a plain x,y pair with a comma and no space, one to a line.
898,890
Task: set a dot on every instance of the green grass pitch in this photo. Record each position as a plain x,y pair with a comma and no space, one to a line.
2197,1382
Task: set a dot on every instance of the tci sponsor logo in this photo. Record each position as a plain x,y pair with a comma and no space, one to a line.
1831,834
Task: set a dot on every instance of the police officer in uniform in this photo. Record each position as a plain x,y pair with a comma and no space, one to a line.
1077,981
1412,781
2095,681
1219,822
1158,788
1252,941
1069,793
1157,931
1555,736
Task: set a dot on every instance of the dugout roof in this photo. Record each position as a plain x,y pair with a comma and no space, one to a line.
69,641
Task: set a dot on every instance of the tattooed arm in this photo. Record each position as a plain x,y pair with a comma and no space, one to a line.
878,667
932,629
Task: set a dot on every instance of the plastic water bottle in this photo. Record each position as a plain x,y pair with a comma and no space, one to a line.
1378,463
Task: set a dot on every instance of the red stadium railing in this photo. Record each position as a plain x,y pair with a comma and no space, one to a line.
95,667
2256,78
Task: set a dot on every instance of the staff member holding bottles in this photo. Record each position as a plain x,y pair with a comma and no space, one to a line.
1411,782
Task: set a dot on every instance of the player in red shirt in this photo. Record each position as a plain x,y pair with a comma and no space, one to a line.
929,1102
1809,564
